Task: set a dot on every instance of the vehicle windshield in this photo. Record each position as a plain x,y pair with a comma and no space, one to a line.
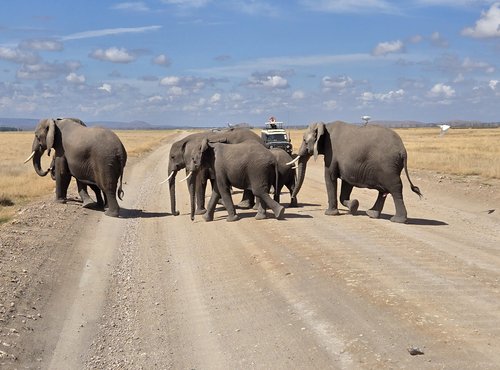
276,137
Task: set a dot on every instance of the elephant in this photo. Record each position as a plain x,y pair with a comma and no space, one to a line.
180,155
362,156
93,155
246,165
286,175
61,170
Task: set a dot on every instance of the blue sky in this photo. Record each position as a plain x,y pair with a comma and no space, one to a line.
213,62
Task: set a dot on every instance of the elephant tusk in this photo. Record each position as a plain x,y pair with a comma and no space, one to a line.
187,177
29,158
168,178
294,161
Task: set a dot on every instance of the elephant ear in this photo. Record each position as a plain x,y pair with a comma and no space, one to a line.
320,130
51,132
204,145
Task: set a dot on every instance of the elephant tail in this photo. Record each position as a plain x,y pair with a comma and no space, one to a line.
414,188
120,190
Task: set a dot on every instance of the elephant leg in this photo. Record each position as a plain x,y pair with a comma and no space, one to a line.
201,187
376,210
293,200
225,192
248,200
278,209
401,215
261,209
63,178
345,194
212,203
277,193
84,195
331,190
98,196
110,194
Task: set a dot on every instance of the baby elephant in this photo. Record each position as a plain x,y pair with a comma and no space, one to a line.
247,165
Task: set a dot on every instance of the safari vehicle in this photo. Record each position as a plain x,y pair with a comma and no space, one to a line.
275,136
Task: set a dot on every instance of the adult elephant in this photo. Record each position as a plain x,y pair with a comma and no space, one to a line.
59,170
247,165
181,153
94,156
286,175
362,156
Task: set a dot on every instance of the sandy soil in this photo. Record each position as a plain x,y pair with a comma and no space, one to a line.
150,290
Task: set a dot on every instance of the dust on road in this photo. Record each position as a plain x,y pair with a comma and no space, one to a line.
150,290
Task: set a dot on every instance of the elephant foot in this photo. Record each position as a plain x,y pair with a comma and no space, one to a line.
207,217
293,203
332,212
260,216
112,212
373,213
200,211
61,200
232,218
280,213
353,206
399,219
246,204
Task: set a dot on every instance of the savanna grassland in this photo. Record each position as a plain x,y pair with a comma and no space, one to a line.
459,152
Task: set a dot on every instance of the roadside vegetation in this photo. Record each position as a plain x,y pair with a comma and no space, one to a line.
458,152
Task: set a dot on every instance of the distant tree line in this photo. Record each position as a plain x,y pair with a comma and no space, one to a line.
6,128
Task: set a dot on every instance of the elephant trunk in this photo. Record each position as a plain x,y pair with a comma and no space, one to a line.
37,163
171,185
301,174
192,193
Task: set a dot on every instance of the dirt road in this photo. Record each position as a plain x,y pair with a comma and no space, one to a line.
150,290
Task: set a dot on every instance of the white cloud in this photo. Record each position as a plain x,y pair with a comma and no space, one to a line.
268,81
114,55
388,47
338,83
487,26
389,97
109,32
330,104
440,90
161,60
298,95
275,81
493,84
46,71
105,87
438,40
470,64
349,6
134,6
74,78
46,45
215,98
18,56
187,3
170,81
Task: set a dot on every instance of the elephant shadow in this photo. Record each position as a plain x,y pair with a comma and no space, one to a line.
139,213
410,220
249,213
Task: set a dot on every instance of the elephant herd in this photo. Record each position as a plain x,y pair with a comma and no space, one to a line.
360,156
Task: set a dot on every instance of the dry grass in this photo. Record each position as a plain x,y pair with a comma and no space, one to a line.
20,184
460,151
